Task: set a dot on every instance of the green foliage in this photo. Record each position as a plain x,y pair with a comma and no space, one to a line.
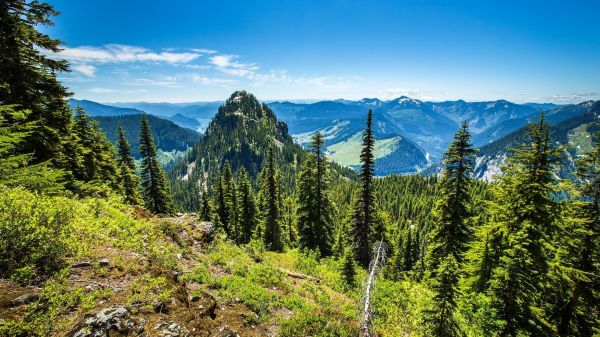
270,205
315,226
127,179
35,233
16,168
364,208
155,186
168,135
48,313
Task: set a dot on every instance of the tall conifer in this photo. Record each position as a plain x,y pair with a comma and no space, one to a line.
128,179
363,213
156,190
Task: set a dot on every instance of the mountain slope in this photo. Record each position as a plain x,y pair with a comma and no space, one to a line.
575,133
97,109
241,132
554,116
171,140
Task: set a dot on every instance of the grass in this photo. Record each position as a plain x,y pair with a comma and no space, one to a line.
347,153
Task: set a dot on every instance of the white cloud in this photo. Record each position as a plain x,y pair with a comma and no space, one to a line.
213,81
117,53
102,91
86,69
228,65
203,51
575,97
417,94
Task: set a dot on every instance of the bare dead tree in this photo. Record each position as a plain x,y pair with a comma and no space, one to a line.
375,267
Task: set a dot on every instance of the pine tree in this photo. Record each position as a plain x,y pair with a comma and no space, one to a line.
230,203
363,213
451,231
15,167
348,268
220,216
524,216
247,207
98,165
314,206
270,205
580,250
28,78
155,187
439,318
128,180
205,210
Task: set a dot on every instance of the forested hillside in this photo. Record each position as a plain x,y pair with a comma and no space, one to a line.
171,140
250,234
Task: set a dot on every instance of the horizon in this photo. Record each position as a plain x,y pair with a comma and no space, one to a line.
539,51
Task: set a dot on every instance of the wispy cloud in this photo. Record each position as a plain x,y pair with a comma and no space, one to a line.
204,80
85,69
112,91
417,94
117,53
228,65
570,98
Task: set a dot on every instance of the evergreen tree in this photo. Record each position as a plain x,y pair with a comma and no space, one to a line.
348,268
205,210
28,78
363,213
15,167
247,207
451,231
577,302
230,203
155,187
524,218
128,180
220,217
439,318
98,166
314,206
270,205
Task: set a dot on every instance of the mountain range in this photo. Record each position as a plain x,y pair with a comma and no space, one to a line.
411,134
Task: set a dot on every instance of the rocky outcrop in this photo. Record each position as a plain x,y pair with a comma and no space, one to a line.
114,319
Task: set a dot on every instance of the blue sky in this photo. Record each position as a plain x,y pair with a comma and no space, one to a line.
184,51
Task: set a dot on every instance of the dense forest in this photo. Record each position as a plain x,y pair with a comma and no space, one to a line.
281,240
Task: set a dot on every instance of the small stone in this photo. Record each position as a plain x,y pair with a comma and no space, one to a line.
24,299
81,265
103,262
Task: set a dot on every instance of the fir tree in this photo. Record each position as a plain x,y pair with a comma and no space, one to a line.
247,207
451,231
524,216
364,217
314,205
155,187
15,167
128,180
205,210
28,78
579,272
98,166
230,203
348,268
270,205
439,318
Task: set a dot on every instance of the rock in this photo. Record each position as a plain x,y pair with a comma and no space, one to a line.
24,299
81,265
160,307
207,229
225,331
171,329
205,303
110,319
103,262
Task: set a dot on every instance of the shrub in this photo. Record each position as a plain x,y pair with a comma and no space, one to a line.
34,233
